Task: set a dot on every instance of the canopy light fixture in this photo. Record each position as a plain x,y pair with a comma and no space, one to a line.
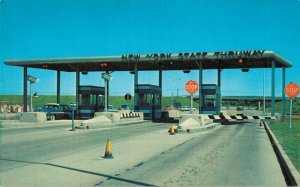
186,71
245,69
32,79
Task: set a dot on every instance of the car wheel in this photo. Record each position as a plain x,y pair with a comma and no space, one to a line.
52,117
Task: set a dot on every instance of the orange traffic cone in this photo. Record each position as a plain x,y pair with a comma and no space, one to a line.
108,150
172,130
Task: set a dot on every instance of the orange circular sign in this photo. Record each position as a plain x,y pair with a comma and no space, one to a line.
292,90
191,87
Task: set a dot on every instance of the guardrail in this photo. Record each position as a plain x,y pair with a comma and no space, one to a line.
237,117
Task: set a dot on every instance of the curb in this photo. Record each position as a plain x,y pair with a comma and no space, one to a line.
23,125
98,126
199,129
290,173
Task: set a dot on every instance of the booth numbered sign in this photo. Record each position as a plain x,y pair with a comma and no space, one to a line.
292,90
191,87
127,97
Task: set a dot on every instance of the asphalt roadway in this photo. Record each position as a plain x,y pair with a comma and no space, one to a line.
45,143
235,154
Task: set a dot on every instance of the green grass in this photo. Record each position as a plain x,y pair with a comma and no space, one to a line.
289,139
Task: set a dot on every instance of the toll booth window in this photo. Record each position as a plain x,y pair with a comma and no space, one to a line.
101,100
210,100
157,99
92,100
84,100
145,99
88,100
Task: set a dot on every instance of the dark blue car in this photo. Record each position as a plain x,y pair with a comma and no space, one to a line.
56,111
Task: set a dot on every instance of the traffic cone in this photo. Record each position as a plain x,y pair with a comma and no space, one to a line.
108,150
172,130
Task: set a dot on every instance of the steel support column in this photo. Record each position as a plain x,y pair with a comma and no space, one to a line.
58,87
160,80
25,89
107,91
273,90
154,99
77,90
136,80
219,100
200,86
283,95
219,78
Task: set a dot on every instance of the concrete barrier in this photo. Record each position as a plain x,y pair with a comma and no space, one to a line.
33,117
99,121
10,116
172,113
122,116
192,121
114,117
199,128
199,118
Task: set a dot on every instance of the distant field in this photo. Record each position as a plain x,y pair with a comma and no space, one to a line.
66,99
117,101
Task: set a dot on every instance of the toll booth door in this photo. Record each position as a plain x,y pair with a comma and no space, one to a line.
209,102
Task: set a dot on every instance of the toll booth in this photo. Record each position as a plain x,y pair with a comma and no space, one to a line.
91,100
211,99
149,101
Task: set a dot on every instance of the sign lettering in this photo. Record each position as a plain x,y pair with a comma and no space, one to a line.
193,56
191,87
292,90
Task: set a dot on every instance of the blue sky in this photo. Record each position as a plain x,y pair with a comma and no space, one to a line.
73,28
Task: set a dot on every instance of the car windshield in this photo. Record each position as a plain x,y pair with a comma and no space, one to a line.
51,107
64,107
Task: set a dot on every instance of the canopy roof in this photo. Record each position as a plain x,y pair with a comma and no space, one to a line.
164,61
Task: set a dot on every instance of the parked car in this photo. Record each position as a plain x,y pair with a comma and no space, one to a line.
239,108
126,107
169,108
56,111
187,108
112,109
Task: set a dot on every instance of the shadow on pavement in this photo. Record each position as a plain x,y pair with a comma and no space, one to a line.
109,177
238,123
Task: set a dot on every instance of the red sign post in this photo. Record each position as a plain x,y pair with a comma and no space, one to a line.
291,90
191,87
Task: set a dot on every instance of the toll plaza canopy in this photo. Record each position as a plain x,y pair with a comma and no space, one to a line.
164,61
186,61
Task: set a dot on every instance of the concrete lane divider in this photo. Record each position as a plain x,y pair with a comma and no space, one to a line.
108,150
200,128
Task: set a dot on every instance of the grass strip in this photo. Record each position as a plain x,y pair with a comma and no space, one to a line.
289,139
